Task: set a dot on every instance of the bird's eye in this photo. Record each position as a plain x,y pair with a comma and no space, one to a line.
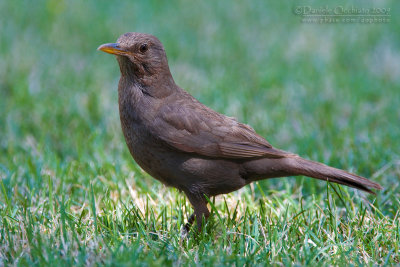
143,48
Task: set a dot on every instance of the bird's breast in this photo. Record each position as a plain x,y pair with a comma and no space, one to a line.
145,149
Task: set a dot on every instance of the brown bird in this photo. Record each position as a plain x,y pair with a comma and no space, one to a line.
185,144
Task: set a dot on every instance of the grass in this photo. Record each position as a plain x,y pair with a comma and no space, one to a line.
70,193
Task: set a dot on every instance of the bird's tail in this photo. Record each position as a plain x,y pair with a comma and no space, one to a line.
300,166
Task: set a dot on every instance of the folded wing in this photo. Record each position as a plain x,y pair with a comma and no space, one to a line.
189,126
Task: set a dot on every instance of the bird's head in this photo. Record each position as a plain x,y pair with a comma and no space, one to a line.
140,56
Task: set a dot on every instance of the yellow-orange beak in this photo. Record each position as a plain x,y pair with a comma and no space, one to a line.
113,48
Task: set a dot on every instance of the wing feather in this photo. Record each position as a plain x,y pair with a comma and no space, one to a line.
189,126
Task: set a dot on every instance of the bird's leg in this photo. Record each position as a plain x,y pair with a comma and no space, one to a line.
186,228
189,223
200,210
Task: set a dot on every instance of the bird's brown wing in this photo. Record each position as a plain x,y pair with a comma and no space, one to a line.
192,127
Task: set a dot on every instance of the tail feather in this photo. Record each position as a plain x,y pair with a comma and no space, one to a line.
321,171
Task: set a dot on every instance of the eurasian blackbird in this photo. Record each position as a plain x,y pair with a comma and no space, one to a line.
185,144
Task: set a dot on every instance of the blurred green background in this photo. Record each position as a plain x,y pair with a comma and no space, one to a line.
329,92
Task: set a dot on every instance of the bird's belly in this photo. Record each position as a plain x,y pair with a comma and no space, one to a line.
184,171
148,154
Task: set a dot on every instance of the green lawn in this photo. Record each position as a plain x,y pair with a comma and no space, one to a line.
71,194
